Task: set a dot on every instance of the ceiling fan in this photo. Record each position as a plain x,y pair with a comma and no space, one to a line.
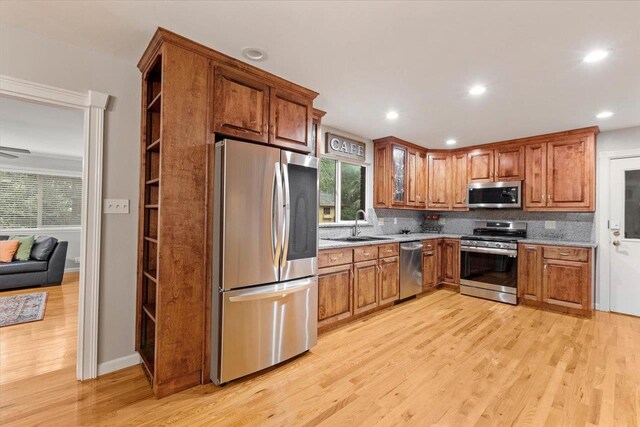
12,150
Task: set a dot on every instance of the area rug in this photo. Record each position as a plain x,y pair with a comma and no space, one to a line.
22,308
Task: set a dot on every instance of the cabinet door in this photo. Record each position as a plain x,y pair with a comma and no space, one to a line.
389,281
429,270
509,164
571,173
335,294
241,105
421,179
459,181
451,261
399,168
411,177
291,116
530,272
382,177
365,286
480,166
566,284
535,183
439,185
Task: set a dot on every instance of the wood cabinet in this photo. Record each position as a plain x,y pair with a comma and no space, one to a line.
439,186
459,181
400,174
560,174
389,283
241,105
450,259
509,163
480,167
556,278
335,294
430,269
290,120
529,274
365,286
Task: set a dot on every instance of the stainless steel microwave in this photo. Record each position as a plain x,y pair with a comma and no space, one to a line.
495,195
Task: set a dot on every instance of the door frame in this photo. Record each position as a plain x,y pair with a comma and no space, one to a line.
93,104
603,258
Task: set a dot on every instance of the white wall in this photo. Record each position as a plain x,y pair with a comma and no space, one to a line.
32,57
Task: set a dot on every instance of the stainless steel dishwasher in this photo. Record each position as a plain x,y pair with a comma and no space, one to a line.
410,269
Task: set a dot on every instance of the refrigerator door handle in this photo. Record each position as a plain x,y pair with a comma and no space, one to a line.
276,215
287,214
266,295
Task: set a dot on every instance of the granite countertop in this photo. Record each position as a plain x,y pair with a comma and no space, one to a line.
393,238
389,238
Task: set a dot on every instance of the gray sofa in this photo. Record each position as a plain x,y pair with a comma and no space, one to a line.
22,274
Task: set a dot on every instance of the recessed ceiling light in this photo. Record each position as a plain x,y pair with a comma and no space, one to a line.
604,114
596,55
477,90
392,115
451,141
254,53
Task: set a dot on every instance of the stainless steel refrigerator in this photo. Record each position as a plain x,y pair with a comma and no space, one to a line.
265,258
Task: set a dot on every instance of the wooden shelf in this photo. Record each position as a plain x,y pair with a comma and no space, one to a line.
155,206
154,105
154,146
147,362
150,309
154,181
151,275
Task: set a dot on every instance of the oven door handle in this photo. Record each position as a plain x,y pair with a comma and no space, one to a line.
508,252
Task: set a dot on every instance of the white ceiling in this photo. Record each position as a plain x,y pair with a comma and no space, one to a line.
43,129
418,58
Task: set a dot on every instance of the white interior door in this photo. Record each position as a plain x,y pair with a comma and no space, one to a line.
624,235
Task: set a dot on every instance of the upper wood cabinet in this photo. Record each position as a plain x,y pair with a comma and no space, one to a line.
291,118
400,171
241,105
509,163
247,107
560,175
459,181
439,188
480,165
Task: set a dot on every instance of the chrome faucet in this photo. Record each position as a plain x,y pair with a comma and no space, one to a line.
356,229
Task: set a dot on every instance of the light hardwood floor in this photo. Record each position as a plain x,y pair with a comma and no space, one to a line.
441,359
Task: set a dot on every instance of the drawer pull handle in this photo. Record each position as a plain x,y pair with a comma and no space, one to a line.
366,253
564,254
333,259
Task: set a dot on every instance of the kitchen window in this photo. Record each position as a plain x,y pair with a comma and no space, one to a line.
343,190
38,201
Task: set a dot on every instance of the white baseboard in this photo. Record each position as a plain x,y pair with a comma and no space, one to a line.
119,363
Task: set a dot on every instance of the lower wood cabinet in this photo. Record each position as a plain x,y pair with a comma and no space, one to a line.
556,278
365,286
450,258
389,284
335,294
429,269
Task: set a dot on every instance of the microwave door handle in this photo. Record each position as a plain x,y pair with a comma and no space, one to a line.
286,214
276,214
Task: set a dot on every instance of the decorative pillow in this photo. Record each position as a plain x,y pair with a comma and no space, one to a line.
7,249
24,247
43,248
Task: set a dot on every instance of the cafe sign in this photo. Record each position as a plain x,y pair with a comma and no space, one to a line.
345,147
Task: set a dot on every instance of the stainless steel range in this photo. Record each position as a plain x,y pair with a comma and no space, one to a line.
489,260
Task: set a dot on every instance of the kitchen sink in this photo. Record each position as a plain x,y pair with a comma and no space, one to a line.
360,239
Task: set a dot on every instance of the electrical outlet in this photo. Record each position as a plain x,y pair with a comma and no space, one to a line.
77,260
116,206
381,221
550,225
442,221
395,220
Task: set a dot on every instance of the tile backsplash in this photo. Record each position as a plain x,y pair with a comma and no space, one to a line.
568,226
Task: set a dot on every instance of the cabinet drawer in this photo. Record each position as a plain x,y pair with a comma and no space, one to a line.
428,245
569,254
331,257
391,249
365,253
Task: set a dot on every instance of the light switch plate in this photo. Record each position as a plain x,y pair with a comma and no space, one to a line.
395,220
550,225
116,206
381,221
442,221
